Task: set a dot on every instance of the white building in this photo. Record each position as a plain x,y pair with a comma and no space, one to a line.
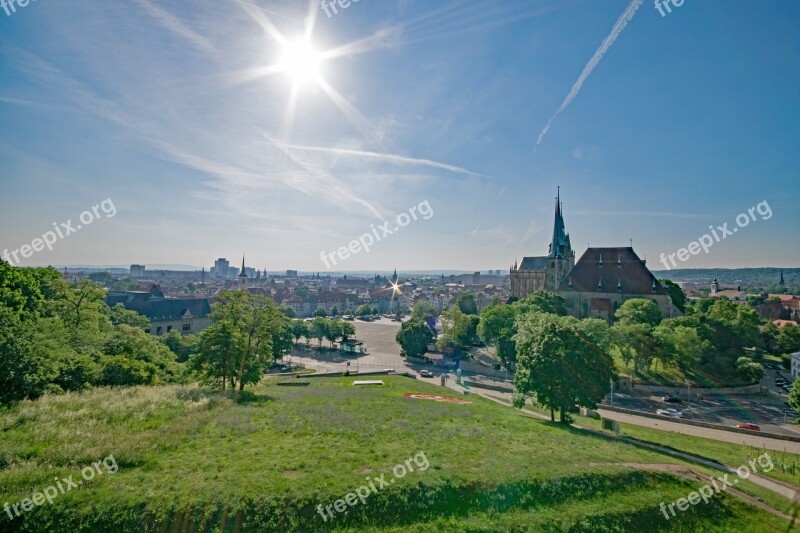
795,365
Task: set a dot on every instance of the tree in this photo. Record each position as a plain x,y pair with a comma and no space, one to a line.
414,337
459,329
676,293
466,303
334,311
332,328
346,329
769,336
497,327
545,302
363,310
241,337
636,344
319,312
679,345
639,311
181,345
794,396
300,329
749,371
288,311
120,315
561,363
423,311
319,329
789,339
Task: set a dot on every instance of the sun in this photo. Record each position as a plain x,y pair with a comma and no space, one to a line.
300,62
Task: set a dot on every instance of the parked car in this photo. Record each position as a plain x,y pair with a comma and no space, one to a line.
748,426
426,373
671,399
670,412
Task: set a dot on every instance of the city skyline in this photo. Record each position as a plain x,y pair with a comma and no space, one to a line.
208,144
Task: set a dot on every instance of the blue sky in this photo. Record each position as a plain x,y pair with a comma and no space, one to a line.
174,111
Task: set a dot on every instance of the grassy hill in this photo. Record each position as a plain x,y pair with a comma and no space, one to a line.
192,460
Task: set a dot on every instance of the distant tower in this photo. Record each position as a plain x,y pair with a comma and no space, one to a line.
781,282
394,276
242,277
714,287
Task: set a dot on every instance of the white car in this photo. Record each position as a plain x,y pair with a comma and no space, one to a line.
670,412
426,373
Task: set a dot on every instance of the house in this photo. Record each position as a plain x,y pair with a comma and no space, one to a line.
184,315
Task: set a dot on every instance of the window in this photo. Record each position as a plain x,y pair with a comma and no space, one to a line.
187,327
158,330
169,328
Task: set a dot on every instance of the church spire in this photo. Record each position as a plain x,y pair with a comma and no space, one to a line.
560,247
781,282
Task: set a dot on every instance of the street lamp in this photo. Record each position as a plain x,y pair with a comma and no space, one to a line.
689,392
611,382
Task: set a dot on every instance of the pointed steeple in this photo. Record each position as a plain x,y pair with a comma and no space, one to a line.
781,282
560,246
242,273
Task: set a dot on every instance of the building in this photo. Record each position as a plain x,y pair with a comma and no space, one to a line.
291,274
221,268
546,272
138,271
795,365
184,315
597,284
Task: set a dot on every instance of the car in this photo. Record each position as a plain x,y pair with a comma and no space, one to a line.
670,412
748,426
426,373
671,399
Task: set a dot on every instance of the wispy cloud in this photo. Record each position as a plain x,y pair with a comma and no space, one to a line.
388,158
175,25
620,25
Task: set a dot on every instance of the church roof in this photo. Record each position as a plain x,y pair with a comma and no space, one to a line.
611,270
533,263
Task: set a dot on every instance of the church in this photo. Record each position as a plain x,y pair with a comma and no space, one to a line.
595,286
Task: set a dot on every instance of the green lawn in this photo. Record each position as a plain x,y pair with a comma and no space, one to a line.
192,460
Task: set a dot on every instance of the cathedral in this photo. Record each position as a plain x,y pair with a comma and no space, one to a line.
595,286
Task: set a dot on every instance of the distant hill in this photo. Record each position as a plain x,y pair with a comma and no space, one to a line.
748,278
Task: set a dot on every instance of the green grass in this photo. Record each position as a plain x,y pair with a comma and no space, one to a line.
193,460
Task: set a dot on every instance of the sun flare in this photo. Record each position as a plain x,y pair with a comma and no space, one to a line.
300,62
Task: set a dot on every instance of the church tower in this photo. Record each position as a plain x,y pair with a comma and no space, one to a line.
242,285
561,257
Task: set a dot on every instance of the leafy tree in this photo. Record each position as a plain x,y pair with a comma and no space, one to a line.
679,345
288,311
181,345
134,344
639,311
636,344
319,329
789,339
363,310
332,328
120,315
345,330
302,292
319,312
423,311
466,303
240,339
749,371
794,396
334,311
414,337
560,363
769,336
676,293
459,329
497,327
300,329
545,302
103,278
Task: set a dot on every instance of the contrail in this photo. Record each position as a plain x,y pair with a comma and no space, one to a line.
622,21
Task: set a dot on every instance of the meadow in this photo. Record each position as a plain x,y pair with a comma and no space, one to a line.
194,460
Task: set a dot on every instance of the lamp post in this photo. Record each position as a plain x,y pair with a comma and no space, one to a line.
689,392
611,382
